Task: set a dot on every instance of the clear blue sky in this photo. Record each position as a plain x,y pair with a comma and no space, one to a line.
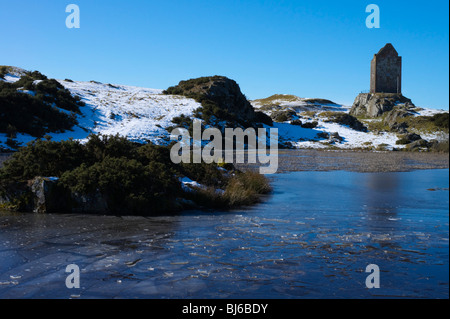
317,48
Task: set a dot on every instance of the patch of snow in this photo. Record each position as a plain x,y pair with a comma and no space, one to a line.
429,112
187,184
11,78
307,138
21,90
139,114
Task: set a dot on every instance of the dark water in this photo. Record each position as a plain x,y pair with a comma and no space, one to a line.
313,238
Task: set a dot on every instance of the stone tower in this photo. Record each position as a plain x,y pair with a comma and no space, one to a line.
386,71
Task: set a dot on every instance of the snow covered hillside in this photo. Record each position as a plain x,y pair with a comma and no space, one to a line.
322,136
138,113
142,114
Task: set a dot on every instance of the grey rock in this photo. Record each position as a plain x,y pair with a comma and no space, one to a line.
408,139
418,145
413,137
46,195
393,117
324,135
401,128
283,116
375,104
336,138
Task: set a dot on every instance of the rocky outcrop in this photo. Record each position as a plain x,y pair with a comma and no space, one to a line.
283,116
221,97
418,145
346,119
333,138
408,138
48,196
375,104
393,119
44,195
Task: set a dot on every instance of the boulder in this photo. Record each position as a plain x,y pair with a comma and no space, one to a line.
408,138
418,145
310,125
283,116
336,138
375,104
401,128
331,137
324,135
44,195
47,196
348,120
392,119
220,91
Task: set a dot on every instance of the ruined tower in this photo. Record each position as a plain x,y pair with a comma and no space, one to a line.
386,71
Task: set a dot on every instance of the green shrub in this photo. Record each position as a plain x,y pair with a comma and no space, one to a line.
12,143
3,72
36,114
441,120
310,125
44,158
206,174
440,147
431,124
402,141
132,178
127,184
283,116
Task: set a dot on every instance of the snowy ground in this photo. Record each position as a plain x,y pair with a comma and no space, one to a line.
307,138
142,114
138,113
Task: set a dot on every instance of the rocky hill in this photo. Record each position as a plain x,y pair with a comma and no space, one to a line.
221,99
